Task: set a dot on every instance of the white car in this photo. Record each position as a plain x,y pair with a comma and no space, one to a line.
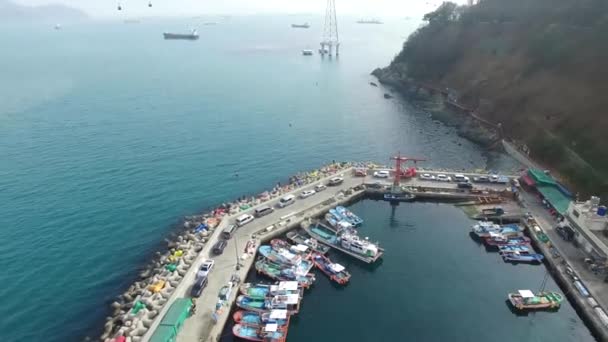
307,193
461,178
427,176
320,187
444,178
381,174
205,268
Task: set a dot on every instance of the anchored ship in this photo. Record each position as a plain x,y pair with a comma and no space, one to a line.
187,36
305,25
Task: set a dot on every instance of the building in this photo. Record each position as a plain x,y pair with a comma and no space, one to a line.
556,196
590,224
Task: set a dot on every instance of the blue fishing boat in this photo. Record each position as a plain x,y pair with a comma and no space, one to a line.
251,304
522,257
267,333
485,229
514,248
257,319
349,216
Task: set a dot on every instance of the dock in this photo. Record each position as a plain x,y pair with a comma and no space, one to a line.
239,255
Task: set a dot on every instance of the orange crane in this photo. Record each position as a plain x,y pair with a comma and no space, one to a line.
410,172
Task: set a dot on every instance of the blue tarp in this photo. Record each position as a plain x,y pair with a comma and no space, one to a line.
201,227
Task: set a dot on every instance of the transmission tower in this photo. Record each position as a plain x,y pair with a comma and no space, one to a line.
330,32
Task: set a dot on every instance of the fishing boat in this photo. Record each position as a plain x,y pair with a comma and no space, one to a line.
335,272
399,197
268,333
251,304
281,256
306,52
299,249
497,239
522,257
515,248
276,272
257,319
527,300
346,241
349,216
261,291
298,238
485,228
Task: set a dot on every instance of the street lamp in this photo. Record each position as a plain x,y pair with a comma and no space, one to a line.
236,251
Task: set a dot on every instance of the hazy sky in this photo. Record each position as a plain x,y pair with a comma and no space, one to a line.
362,8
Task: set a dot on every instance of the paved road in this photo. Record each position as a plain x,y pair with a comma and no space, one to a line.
567,250
198,327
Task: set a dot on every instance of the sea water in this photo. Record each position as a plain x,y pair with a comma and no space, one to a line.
110,134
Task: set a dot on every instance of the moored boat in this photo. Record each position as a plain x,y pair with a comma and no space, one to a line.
335,272
402,197
347,241
485,229
527,300
522,257
268,333
277,272
299,249
497,239
285,257
515,248
298,238
251,304
257,319
261,291
349,216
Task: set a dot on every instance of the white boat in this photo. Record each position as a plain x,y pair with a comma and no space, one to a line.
307,52
354,243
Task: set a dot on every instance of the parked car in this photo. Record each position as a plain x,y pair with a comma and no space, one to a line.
465,185
335,181
287,200
382,174
320,187
219,246
444,178
461,178
263,211
481,179
427,176
198,287
205,268
307,193
243,220
229,231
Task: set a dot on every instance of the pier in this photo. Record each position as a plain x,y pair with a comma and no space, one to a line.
237,259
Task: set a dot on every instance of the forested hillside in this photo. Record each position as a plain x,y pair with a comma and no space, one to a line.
539,67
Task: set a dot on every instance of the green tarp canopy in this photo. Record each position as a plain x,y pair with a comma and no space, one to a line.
163,333
558,200
551,190
177,313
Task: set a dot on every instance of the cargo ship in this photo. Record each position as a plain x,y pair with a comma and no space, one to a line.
305,25
187,36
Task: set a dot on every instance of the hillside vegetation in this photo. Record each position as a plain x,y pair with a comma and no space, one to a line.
538,67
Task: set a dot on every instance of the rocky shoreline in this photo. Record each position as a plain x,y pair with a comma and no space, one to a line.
133,312
438,107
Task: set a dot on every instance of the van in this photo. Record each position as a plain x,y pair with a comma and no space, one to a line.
199,285
262,211
287,200
243,220
461,178
229,231
219,246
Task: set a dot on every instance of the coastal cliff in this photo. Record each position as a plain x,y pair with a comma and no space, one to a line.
534,70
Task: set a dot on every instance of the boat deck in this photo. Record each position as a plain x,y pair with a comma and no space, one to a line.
368,260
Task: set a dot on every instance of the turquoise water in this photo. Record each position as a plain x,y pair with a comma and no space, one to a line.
109,135
434,283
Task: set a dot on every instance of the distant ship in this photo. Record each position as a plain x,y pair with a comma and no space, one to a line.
209,23
305,25
58,27
187,36
369,21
